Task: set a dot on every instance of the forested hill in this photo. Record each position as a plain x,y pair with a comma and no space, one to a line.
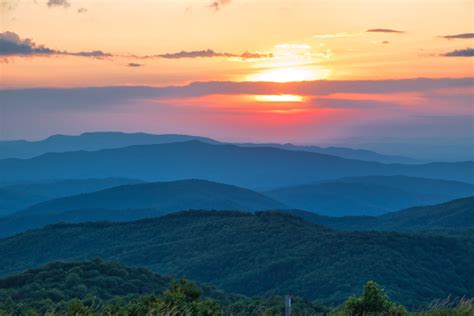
261,167
261,254
94,282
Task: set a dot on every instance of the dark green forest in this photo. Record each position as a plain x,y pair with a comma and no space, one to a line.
262,254
101,287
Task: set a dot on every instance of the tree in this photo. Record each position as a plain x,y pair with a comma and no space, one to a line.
374,301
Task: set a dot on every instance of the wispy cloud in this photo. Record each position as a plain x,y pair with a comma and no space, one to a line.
459,36
336,35
467,52
58,3
194,54
209,53
382,30
134,65
82,10
218,4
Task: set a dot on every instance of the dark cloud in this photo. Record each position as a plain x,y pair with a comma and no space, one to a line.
82,10
58,3
459,36
218,4
135,65
12,45
384,31
467,52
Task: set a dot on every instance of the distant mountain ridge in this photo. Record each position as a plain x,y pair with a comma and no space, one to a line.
141,200
255,168
106,140
370,195
456,215
90,141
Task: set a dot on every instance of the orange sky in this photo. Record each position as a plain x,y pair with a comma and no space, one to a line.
360,47
308,40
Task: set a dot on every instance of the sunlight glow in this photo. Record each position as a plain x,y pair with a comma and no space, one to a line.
279,98
289,74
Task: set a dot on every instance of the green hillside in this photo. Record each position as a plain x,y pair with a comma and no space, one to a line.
261,254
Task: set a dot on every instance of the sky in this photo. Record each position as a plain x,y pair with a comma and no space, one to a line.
304,71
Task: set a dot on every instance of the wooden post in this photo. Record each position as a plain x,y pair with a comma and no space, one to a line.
287,305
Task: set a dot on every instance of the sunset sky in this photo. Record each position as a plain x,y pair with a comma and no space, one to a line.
358,47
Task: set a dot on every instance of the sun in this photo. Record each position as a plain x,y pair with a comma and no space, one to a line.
289,74
279,98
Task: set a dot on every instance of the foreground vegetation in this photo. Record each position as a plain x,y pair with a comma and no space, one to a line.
104,288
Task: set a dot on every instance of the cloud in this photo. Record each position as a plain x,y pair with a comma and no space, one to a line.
459,36
134,65
58,3
385,42
82,10
467,52
194,54
384,31
218,4
209,53
95,53
12,45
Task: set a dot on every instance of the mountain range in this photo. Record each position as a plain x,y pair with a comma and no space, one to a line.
105,140
255,168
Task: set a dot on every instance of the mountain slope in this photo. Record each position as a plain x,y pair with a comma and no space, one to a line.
15,197
454,215
261,254
248,167
146,199
373,195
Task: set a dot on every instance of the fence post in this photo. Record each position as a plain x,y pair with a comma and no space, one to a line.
287,305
